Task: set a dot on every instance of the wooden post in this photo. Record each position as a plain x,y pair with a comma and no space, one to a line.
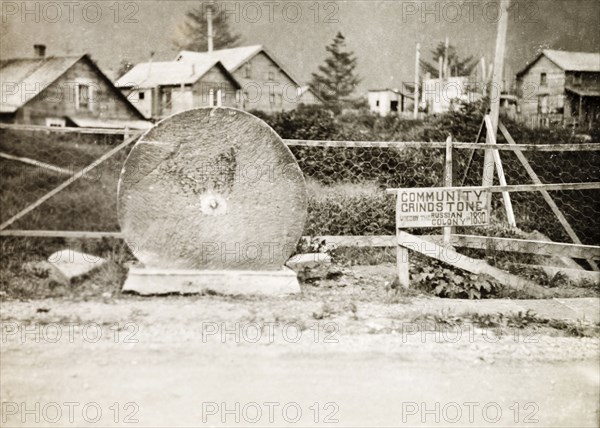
416,93
445,66
510,215
448,230
402,263
488,163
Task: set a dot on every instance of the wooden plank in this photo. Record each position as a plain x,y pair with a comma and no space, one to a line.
402,266
530,246
61,234
65,129
510,215
447,255
67,183
488,166
524,187
442,145
34,162
357,241
447,231
545,248
534,177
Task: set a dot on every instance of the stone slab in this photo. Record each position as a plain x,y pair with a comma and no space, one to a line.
152,281
310,265
73,264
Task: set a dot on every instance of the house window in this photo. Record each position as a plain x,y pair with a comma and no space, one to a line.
377,103
141,95
83,96
577,80
543,104
247,71
543,79
270,75
167,98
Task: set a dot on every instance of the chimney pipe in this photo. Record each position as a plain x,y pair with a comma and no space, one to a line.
209,26
39,50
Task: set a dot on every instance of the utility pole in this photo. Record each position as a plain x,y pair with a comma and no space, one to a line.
446,46
417,63
209,26
497,76
492,157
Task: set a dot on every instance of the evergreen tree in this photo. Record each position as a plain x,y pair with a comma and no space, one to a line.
124,66
456,65
193,34
336,79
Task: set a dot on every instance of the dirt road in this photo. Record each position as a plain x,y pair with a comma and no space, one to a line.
212,361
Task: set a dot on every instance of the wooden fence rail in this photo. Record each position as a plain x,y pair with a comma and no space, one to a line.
66,129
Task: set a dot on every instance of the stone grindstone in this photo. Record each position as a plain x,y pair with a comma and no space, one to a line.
212,199
70,264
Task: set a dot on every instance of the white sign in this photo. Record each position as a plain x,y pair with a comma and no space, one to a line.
441,206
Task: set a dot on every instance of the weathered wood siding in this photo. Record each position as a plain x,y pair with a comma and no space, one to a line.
531,90
166,100
215,79
59,99
267,87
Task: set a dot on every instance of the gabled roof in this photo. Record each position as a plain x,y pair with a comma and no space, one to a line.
34,75
169,73
232,58
569,61
21,79
395,91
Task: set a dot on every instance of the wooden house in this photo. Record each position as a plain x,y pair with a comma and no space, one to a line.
266,84
159,89
386,102
63,91
561,86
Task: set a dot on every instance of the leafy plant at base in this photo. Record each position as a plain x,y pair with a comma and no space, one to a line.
434,278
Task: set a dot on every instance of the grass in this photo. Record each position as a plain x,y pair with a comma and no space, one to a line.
503,324
342,208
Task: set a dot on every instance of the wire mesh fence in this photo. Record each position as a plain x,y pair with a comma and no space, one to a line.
346,184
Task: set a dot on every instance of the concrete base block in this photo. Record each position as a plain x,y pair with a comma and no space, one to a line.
148,281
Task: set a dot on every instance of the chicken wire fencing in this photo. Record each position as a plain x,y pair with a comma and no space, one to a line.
346,184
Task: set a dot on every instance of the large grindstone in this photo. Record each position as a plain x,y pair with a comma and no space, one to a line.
211,190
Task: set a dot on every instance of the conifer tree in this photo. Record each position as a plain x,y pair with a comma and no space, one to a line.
336,79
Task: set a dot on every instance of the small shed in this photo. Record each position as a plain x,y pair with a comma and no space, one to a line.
389,101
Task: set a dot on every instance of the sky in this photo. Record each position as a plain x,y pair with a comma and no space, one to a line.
382,34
